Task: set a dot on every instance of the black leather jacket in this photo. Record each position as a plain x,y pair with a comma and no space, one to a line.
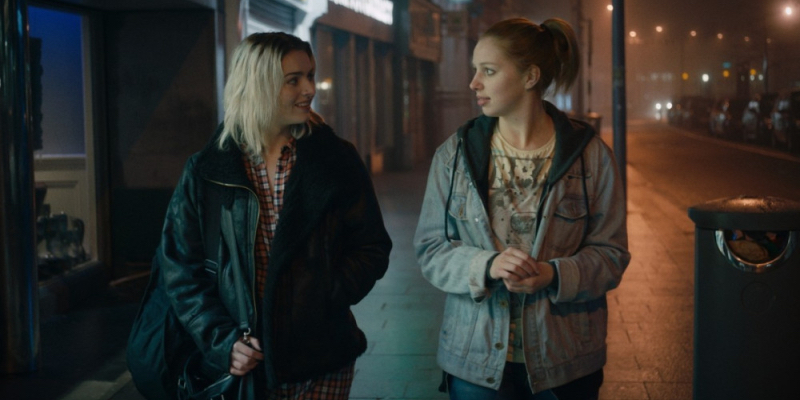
330,247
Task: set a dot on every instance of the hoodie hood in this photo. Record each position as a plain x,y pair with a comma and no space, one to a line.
475,137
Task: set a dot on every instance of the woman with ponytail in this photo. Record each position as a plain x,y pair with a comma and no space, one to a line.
523,225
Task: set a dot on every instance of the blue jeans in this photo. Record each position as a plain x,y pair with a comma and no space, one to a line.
515,387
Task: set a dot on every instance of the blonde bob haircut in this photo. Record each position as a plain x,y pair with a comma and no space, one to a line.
253,86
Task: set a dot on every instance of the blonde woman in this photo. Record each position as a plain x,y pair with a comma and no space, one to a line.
523,226
300,239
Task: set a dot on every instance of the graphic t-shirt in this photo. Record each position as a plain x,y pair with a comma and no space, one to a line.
516,179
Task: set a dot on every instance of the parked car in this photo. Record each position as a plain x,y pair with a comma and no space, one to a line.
693,111
725,118
673,112
756,125
786,120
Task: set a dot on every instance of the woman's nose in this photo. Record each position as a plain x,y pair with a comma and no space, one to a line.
310,88
475,83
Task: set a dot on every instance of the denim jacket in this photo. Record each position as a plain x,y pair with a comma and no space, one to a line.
581,230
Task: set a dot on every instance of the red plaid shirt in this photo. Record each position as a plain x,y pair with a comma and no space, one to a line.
332,386
270,203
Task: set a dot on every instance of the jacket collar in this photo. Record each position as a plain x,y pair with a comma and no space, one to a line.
224,165
475,136
324,170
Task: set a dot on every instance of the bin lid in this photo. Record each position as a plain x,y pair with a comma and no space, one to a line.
757,213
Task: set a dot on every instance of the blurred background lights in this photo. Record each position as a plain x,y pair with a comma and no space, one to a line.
324,85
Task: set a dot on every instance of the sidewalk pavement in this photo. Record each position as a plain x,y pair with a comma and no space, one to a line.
650,317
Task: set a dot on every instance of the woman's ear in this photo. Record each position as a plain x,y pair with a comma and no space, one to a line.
532,77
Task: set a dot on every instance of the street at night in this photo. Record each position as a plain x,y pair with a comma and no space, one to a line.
690,167
105,101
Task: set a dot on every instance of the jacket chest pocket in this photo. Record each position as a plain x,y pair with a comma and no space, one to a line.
571,209
458,207
570,217
462,197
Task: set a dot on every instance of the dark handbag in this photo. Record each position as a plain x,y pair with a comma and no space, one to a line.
161,356
158,345
194,385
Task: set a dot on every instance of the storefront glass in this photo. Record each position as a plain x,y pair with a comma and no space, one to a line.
63,157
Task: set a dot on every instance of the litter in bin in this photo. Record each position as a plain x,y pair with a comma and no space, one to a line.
756,246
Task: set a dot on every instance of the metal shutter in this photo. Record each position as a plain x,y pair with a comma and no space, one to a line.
273,13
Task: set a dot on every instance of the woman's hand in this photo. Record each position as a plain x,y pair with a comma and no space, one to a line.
520,272
513,265
534,283
244,356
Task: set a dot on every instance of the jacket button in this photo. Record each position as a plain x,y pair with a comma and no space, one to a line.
498,346
503,303
490,380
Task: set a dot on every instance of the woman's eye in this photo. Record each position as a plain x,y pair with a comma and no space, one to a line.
488,72
292,81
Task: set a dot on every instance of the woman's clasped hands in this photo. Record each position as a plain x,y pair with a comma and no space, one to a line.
520,272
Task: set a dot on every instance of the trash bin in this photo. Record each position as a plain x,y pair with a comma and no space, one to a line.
747,299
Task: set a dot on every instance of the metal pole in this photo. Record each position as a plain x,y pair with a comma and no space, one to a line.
579,109
618,60
19,297
765,64
589,53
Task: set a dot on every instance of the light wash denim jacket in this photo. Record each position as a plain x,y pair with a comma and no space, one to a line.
564,329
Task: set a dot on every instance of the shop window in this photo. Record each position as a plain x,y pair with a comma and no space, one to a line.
63,155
